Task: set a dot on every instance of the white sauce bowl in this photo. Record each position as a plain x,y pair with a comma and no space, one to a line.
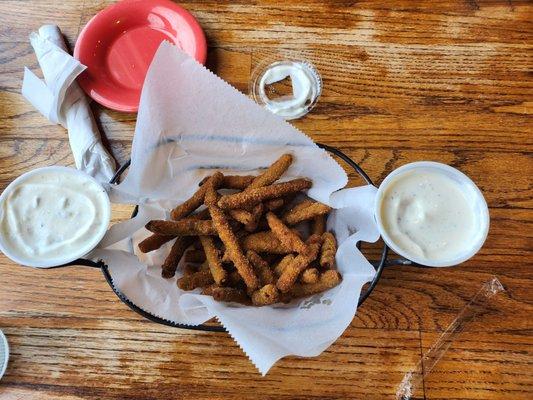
4,354
472,194
85,246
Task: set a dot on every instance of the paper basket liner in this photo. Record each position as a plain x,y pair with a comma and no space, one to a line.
191,123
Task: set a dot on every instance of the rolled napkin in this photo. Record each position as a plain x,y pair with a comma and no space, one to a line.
61,101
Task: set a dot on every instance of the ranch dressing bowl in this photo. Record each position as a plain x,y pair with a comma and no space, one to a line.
432,214
306,85
51,216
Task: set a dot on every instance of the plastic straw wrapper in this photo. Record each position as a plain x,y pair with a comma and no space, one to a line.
479,304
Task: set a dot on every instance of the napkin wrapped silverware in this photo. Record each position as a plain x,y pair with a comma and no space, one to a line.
61,101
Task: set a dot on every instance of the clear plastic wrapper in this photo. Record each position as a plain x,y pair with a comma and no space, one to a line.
412,382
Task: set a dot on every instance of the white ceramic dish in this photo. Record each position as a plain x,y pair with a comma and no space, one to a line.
4,354
467,187
98,234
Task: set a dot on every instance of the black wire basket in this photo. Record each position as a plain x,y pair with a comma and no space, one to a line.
379,265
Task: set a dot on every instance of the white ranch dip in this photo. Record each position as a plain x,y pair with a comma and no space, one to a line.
52,215
306,88
429,217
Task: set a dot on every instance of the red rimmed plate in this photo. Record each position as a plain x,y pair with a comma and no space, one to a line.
118,44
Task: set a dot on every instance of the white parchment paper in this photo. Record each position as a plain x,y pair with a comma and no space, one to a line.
191,123
60,100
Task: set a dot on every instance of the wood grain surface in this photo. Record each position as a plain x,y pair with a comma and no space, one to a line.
448,81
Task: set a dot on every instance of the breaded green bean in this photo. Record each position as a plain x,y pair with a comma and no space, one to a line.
184,227
328,250
285,235
213,260
169,266
272,173
327,280
300,262
301,214
249,197
268,294
261,267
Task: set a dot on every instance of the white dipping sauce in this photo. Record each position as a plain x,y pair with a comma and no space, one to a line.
52,214
427,216
306,87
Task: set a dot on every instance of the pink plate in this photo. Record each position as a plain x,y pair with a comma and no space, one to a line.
119,43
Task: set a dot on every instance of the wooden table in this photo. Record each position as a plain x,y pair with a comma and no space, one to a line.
403,81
